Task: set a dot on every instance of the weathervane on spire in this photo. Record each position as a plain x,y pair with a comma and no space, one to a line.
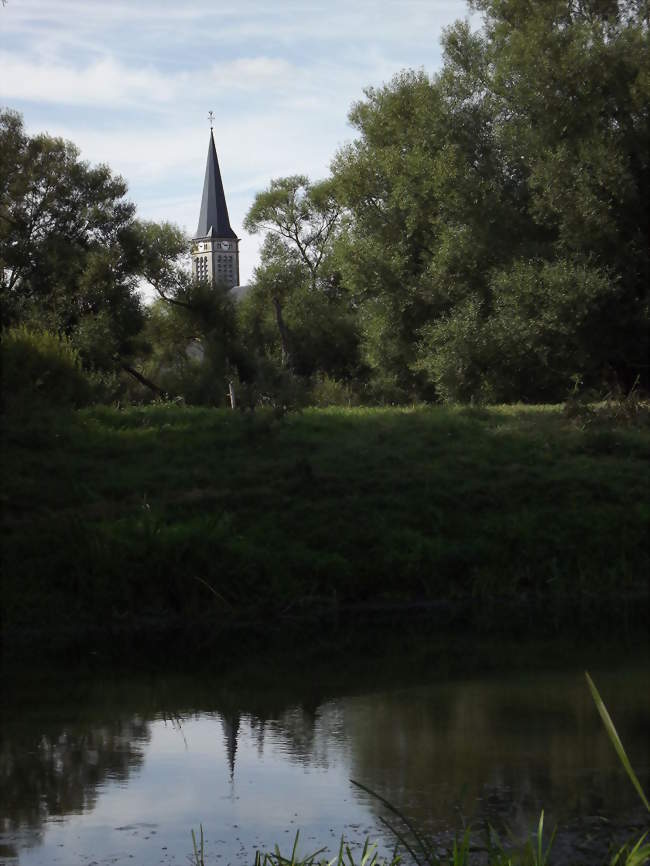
211,118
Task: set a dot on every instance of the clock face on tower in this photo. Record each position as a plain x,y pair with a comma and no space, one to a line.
225,245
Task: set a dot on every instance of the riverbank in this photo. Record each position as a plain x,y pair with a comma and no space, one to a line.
137,521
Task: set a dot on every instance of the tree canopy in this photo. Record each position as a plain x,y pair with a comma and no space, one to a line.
303,214
496,231
68,245
484,236
74,259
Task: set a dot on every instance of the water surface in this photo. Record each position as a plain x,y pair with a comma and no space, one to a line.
100,768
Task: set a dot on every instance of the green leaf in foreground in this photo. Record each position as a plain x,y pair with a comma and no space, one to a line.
614,737
424,854
538,857
638,856
198,849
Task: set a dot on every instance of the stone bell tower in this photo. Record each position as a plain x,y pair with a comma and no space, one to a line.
215,247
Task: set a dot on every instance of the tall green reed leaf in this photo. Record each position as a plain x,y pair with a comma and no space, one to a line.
638,856
425,854
460,852
540,857
616,740
199,850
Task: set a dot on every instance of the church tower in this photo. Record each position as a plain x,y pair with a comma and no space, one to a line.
215,247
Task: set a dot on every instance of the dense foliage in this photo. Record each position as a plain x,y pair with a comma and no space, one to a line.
496,216
42,366
72,261
484,238
68,251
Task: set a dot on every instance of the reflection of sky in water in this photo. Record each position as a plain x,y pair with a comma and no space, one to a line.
95,782
185,781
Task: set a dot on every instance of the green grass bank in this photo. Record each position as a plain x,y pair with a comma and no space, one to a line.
123,520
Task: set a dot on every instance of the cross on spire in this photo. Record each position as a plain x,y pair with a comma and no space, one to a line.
211,118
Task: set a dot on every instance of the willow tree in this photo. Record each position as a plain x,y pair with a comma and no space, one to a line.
496,214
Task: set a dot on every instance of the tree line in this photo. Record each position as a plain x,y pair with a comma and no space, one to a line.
484,237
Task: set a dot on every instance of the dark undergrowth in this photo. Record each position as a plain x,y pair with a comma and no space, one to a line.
143,519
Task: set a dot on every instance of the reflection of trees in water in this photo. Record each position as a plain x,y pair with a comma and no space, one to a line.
497,749
295,734
62,740
516,745
305,733
515,748
58,772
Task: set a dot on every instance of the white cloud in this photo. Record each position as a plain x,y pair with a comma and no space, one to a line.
103,82
250,73
106,82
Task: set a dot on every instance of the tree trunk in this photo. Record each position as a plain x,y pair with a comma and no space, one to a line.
144,381
284,333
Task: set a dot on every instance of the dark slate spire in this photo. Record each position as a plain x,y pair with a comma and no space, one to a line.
213,220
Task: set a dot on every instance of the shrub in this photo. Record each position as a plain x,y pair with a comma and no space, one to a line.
326,391
536,336
45,366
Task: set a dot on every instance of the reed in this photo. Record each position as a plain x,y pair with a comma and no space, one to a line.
198,848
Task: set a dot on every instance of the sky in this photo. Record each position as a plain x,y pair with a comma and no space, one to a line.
131,84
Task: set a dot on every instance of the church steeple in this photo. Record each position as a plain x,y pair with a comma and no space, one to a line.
213,219
215,249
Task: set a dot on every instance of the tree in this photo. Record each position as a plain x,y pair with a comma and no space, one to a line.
280,274
532,342
426,217
298,279
194,345
571,87
302,214
526,158
163,254
74,258
68,260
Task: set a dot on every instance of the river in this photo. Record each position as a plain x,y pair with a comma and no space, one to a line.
99,766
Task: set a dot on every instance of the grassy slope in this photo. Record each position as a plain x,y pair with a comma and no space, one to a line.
114,515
